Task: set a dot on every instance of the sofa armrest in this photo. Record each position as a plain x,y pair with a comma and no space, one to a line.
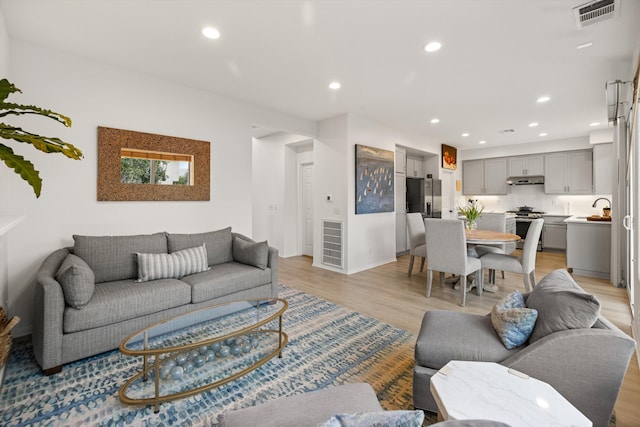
586,366
48,306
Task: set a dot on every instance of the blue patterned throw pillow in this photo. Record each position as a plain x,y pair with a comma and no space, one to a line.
377,419
512,320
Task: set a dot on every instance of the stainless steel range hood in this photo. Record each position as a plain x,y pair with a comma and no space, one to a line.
525,180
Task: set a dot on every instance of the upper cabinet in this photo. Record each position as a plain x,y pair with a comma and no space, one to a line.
401,162
568,172
603,167
526,165
415,167
487,176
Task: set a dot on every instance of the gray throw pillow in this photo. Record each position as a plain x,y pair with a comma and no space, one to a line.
218,244
77,281
172,266
251,253
561,305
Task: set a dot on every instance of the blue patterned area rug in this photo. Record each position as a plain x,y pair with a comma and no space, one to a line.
328,345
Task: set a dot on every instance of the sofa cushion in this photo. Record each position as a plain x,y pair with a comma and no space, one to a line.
512,320
561,305
225,279
400,418
451,335
218,244
114,302
172,266
77,281
251,253
113,257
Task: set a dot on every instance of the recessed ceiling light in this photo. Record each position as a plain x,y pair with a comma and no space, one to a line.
211,33
434,121
544,98
533,124
433,46
334,85
482,142
542,134
594,124
583,45
465,134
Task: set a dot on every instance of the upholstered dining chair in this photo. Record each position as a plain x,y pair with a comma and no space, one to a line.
524,264
447,252
417,245
494,222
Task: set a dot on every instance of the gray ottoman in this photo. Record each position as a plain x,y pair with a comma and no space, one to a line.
307,409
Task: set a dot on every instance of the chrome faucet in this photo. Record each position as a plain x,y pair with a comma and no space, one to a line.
601,198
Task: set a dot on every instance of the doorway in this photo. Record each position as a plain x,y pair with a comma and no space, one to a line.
306,211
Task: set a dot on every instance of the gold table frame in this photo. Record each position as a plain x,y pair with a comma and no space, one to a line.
154,367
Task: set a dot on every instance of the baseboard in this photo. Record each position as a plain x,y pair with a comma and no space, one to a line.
635,333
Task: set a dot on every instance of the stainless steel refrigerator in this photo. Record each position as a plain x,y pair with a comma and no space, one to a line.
425,195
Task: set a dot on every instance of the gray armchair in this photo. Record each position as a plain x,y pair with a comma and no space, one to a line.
417,245
585,365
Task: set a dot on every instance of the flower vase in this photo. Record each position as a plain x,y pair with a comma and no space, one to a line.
472,225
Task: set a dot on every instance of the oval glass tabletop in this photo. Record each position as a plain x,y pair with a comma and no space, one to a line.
203,349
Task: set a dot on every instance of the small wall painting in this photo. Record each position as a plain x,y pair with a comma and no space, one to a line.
374,180
449,157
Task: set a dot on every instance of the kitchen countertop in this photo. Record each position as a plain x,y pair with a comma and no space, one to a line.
583,220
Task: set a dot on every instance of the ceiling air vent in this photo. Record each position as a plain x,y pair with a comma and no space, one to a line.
595,11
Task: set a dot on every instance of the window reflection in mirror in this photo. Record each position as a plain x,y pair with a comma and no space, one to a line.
154,167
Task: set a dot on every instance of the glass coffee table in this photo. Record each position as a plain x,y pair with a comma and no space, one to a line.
203,349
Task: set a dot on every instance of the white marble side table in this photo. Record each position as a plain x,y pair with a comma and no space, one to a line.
481,390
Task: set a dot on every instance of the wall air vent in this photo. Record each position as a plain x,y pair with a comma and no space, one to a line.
332,243
595,11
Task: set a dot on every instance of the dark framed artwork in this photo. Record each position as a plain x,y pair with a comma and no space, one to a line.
374,180
449,157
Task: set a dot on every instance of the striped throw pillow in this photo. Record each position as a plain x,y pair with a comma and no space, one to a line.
172,266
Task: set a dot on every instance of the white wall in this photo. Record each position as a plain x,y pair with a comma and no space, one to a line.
94,94
4,73
522,149
274,203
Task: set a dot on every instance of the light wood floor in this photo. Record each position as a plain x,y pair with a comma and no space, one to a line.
387,294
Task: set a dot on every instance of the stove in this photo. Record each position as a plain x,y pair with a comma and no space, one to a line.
523,220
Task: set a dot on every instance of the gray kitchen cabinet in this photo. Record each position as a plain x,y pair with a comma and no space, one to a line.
554,232
487,176
568,172
589,247
526,165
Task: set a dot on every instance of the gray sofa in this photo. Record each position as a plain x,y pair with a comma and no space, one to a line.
315,408
89,297
572,347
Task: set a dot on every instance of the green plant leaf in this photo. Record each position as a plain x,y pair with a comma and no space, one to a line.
42,143
22,167
7,88
18,110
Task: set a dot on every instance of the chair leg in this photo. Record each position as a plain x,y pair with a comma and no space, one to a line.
422,264
463,290
525,278
411,264
503,274
480,279
441,276
532,276
429,282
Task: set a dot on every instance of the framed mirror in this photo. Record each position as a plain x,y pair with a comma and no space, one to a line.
144,166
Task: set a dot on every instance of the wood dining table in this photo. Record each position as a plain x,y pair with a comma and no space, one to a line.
489,237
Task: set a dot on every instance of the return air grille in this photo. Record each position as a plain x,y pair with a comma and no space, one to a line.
332,243
595,11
